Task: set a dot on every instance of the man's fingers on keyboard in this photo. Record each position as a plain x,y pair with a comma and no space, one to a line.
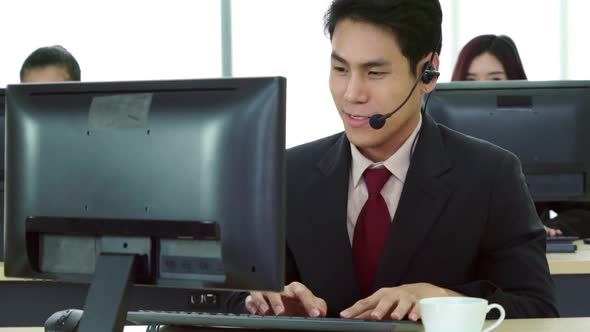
250,306
288,292
276,303
258,302
307,299
360,307
403,307
382,309
322,306
364,315
414,314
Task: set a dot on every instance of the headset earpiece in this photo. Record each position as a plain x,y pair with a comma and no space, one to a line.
429,73
377,121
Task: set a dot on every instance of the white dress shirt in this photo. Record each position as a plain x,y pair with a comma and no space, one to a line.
397,164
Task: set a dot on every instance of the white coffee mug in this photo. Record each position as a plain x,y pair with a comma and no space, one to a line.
457,314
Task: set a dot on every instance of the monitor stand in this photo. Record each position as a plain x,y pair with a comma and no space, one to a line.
107,301
124,259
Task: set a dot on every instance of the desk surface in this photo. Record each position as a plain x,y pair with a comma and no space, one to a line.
510,325
566,263
571,263
3,277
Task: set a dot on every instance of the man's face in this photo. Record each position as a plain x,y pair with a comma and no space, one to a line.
46,74
369,75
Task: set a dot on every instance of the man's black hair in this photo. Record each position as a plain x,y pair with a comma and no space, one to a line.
52,56
416,24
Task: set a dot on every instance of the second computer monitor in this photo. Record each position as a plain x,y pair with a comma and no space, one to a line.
546,124
2,110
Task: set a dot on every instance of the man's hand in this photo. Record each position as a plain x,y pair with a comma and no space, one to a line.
396,302
294,300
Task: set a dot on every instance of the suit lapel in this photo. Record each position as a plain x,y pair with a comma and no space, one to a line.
329,197
423,198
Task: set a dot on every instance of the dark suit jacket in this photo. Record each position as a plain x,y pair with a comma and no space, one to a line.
465,221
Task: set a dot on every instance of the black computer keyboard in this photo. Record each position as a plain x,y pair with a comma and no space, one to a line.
199,319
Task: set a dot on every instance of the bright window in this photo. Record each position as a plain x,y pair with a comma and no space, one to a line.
156,39
116,40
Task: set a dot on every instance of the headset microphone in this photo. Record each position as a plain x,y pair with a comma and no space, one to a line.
377,121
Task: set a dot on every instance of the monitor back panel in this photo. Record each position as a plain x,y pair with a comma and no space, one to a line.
546,124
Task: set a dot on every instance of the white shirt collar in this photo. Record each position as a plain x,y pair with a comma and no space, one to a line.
397,164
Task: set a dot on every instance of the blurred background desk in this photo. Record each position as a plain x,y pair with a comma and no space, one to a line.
571,273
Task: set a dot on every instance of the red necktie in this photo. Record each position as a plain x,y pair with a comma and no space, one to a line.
371,230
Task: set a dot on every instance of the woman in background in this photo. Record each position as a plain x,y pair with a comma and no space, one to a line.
489,57
492,57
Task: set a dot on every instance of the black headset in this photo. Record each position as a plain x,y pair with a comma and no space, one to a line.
429,72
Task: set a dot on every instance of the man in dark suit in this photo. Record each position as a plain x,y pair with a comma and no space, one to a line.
378,219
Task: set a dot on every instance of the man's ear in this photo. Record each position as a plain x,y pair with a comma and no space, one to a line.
429,74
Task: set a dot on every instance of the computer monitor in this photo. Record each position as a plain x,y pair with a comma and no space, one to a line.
167,183
2,174
2,106
546,124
